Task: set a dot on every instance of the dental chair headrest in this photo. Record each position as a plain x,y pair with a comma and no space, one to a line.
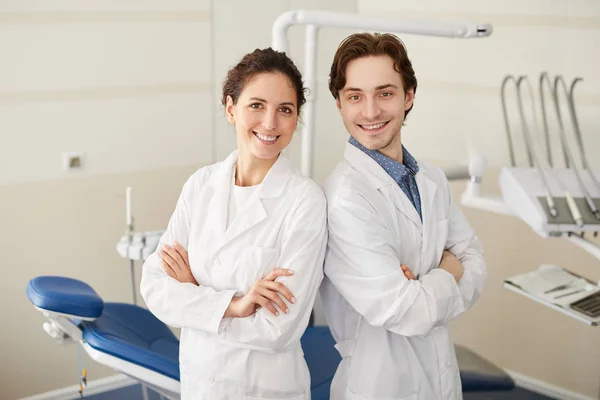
65,296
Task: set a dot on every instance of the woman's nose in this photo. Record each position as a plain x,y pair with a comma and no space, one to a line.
269,121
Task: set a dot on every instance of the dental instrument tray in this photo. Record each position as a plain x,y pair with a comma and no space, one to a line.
560,289
528,198
589,305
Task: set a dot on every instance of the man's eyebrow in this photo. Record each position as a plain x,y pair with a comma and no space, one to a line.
380,87
388,85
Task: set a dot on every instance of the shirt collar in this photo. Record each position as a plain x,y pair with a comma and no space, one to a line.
384,161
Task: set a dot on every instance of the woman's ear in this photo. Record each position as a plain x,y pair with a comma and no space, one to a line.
229,110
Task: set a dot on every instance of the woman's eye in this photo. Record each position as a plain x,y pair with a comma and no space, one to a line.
286,110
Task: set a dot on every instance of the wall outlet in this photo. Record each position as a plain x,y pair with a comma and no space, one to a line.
72,161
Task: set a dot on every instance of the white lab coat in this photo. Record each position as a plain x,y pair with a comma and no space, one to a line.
391,332
282,225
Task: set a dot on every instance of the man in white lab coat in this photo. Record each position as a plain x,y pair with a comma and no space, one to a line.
402,260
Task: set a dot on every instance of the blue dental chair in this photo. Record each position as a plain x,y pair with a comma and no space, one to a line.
131,340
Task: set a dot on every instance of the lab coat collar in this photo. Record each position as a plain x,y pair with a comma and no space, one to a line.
426,184
367,166
384,183
276,179
427,189
272,186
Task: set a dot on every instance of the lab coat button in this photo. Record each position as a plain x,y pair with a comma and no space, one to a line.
216,263
211,379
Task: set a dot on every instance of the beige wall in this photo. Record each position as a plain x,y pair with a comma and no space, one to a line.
457,105
115,82
134,85
126,84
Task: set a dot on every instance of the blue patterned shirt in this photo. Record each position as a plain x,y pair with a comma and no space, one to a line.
402,174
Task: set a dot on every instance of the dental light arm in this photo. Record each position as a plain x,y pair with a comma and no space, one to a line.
316,19
365,22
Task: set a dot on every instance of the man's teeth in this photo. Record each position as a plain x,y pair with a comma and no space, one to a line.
375,126
267,138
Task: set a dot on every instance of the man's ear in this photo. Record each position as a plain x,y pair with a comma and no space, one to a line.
409,98
229,110
338,105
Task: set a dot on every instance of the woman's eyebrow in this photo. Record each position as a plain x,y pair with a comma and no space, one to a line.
287,103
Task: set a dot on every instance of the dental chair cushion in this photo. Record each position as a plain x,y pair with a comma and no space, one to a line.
479,375
65,296
133,334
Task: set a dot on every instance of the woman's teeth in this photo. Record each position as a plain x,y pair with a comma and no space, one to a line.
267,138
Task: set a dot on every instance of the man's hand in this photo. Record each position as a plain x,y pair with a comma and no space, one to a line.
176,264
451,264
264,293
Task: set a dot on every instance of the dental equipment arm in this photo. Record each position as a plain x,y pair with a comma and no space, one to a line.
534,163
579,138
544,78
365,22
511,151
569,155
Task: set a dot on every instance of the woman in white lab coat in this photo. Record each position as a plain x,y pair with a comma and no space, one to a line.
240,264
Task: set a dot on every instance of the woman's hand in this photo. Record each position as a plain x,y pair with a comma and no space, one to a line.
264,293
407,272
176,264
